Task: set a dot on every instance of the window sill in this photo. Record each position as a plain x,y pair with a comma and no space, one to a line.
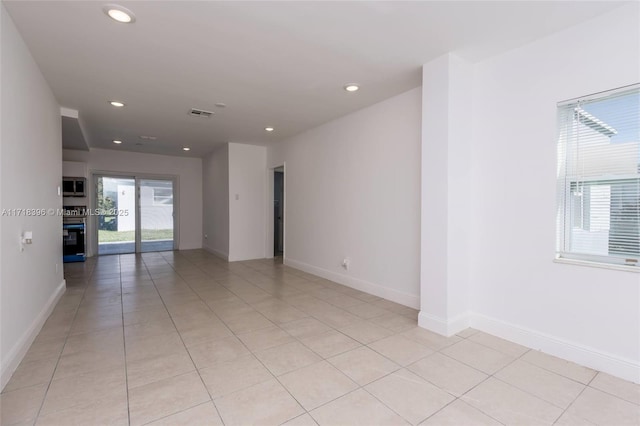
624,268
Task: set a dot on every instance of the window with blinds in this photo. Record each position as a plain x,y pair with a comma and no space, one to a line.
599,178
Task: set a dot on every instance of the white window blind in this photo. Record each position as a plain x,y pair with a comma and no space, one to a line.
599,178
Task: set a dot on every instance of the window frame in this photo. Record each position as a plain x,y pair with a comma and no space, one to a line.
565,183
157,198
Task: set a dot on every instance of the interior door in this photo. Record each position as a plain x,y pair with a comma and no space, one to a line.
278,212
156,211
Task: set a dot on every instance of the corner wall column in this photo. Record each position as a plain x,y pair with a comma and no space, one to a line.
445,219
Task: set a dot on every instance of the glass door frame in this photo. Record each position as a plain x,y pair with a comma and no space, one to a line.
93,219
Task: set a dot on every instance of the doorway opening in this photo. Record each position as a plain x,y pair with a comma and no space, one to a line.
278,212
134,214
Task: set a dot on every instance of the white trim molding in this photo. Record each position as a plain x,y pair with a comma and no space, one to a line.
14,357
410,300
624,268
615,365
224,256
442,326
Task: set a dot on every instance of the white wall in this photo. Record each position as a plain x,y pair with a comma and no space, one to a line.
247,197
352,189
215,196
589,315
187,170
31,171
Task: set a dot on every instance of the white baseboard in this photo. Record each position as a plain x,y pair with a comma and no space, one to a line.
15,355
220,254
445,327
186,246
245,258
589,357
410,300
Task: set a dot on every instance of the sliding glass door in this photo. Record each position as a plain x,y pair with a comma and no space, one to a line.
116,208
156,214
135,214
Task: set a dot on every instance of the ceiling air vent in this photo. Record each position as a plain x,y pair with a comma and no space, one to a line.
200,113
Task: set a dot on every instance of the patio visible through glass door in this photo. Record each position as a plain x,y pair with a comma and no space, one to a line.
156,214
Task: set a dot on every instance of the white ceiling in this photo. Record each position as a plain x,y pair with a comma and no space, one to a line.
281,64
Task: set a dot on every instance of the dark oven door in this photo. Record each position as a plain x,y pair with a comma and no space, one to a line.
73,241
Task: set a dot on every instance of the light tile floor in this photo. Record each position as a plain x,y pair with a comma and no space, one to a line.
183,338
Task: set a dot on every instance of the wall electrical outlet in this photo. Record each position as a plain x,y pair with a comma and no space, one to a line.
346,262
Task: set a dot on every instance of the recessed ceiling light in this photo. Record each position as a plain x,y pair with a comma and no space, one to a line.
118,142
117,104
119,13
186,148
269,129
351,87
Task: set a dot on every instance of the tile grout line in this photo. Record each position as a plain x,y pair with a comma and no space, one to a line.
259,276
517,387
359,387
462,337
569,406
473,387
609,393
124,344
578,396
259,360
277,378
564,410
278,325
557,373
183,344
66,338
535,396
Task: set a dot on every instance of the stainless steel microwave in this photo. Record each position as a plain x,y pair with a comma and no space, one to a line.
73,186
